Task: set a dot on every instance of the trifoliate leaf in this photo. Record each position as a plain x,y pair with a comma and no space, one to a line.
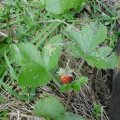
87,46
89,37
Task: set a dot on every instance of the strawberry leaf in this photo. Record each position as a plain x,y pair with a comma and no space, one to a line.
89,37
26,53
33,75
33,72
49,107
102,57
51,52
36,65
87,46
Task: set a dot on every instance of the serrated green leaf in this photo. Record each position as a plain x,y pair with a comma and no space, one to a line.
102,58
60,6
34,67
74,50
112,60
49,107
70,116
79,83
87,46
97,62
102,52
86,37
25,54
51,52
89,37
99,36
33,75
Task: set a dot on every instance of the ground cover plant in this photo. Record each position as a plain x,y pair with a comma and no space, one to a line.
56,58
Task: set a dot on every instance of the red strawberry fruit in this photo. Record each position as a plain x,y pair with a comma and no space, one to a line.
65,75
65,79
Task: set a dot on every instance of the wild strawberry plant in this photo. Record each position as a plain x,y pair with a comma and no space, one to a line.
88,46
32,59
36,65
37,61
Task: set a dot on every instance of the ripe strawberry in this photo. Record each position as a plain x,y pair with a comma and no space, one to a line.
65,75
65,79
